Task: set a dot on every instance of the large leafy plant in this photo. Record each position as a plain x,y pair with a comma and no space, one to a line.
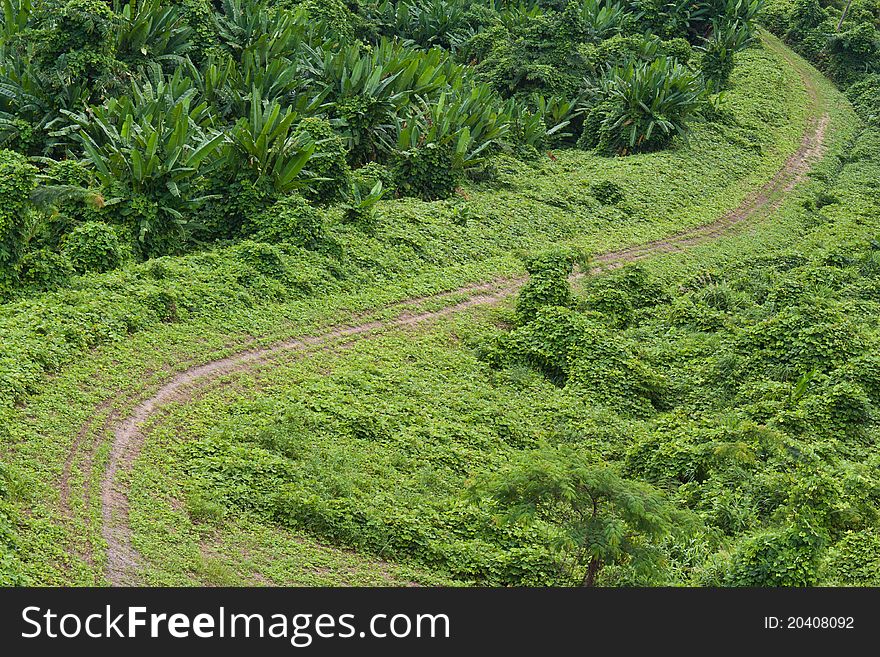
368,90
266,144
643,105
150,149
470,121
150,29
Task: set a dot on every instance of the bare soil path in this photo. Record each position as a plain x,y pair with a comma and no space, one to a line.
127,434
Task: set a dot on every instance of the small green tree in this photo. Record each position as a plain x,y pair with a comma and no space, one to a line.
603,518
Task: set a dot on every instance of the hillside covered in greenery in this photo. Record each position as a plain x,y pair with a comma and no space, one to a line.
415,197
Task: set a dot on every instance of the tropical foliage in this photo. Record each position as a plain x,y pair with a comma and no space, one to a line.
173,106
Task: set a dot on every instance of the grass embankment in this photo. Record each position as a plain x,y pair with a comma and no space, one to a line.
763,343
111,339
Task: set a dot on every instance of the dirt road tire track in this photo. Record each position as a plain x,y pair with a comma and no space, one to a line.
122,560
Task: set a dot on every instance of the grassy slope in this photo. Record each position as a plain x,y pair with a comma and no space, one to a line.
394,427
666,191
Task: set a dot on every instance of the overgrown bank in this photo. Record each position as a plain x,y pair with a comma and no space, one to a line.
732,393
621,171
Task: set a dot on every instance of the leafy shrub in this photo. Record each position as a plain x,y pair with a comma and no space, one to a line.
799,338
368,90
838,408
678,49
75,44
335,14
526,56
865,97
573,350
371,173
621,292
45,269
643,106
787,556
232,205
547,285
267,144
328,165
148,148
360,206
17,180
607,192
776,16
146,31
426,172
93,246
67,195
805,15
467,122
717,56
605,517
266,259
855,560
292,220
444,23
853,52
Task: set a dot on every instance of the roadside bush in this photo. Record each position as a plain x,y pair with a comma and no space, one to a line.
266,259
425,172
547,286
17,181
328,164
621,292
45,269
292,220
94,247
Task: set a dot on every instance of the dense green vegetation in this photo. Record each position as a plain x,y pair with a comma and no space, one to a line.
181,125
179,178
722,416
841,38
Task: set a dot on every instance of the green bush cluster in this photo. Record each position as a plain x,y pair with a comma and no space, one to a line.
94,247
752,392
292,220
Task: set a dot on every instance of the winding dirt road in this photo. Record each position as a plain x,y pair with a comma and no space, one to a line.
127,433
